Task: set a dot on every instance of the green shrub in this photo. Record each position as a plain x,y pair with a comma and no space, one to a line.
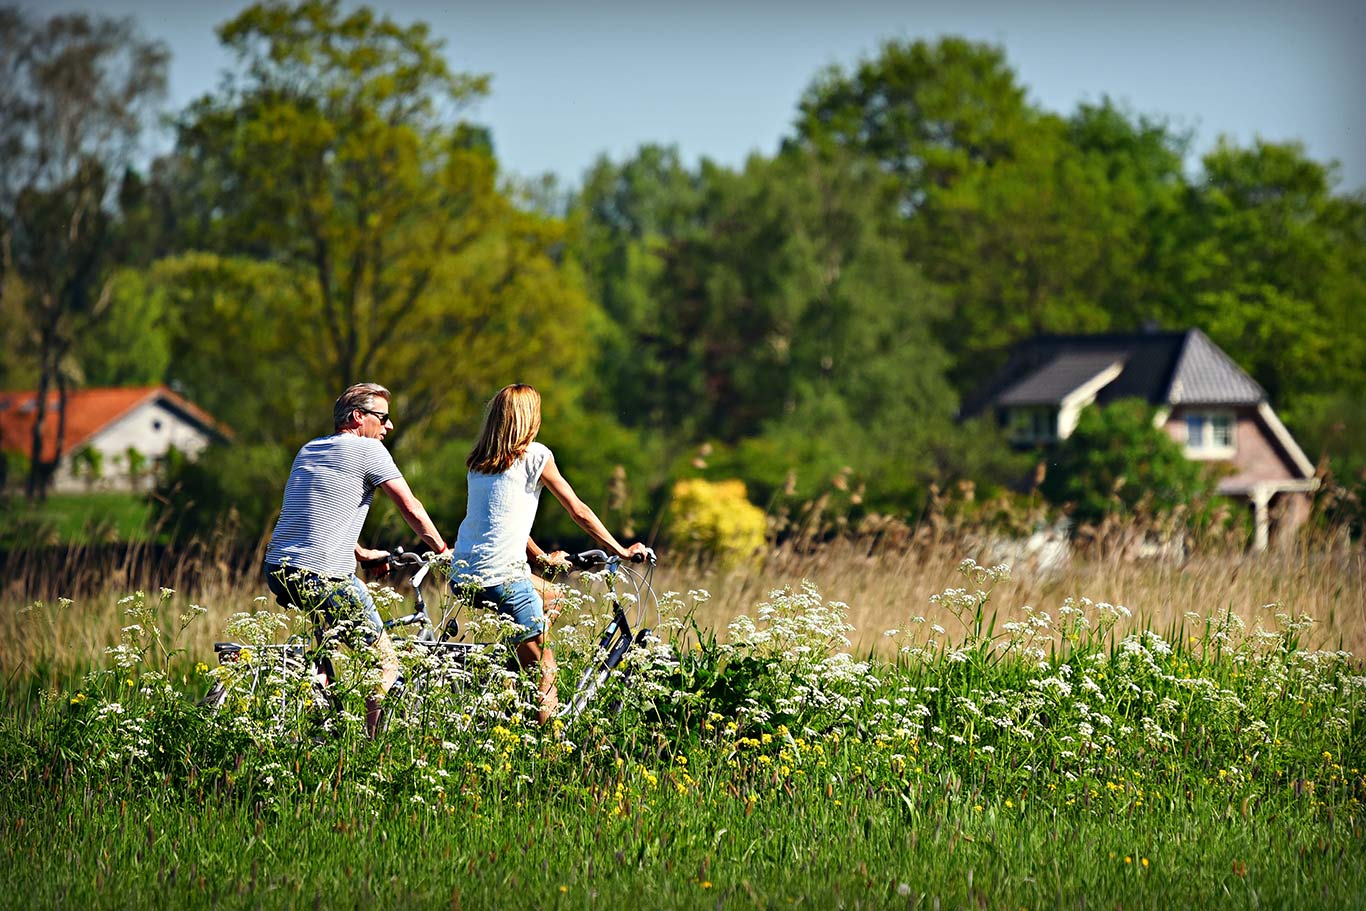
716,520
231,492
1118,461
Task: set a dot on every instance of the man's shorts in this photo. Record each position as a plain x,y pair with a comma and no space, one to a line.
518,601
328,600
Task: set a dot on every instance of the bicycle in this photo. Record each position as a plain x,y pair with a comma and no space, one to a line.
291,678
286,678
443,662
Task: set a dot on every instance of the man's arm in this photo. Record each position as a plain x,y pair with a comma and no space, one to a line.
369,555
414,513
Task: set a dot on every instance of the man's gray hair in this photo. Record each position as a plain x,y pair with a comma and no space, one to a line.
361,395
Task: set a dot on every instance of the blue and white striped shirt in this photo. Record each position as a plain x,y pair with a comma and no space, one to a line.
327,497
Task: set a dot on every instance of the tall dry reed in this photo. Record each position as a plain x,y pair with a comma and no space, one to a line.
885,586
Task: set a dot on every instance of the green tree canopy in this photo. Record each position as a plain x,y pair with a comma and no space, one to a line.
1116,460
332,151
775,302
928,113
1272,270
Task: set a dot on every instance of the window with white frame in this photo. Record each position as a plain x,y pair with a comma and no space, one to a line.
1210,433
1035,424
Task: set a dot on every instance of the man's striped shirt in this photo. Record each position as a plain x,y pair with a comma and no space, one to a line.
327,497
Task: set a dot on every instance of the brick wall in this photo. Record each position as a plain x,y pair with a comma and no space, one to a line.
1256,455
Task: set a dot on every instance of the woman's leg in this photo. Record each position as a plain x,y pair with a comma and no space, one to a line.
552,596
520,601
530,654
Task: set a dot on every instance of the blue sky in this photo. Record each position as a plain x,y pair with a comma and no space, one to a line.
572,81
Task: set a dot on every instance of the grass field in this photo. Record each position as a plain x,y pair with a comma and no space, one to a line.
1082,759
89,518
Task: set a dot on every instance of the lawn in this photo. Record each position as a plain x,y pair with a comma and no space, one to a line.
1078,759
87,518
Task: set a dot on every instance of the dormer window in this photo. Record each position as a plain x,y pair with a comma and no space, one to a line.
1033,424
1209,434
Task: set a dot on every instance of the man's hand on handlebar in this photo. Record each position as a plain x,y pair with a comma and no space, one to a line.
375,562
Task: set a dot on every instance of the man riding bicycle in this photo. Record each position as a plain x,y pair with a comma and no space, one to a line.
311,560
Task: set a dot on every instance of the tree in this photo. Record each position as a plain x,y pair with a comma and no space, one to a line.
88,462
792,291
1272,270
74,94
927,113
625,219
1142,160
232,325
1116,460
1029,223
773,302
332,152
131,344
1026,246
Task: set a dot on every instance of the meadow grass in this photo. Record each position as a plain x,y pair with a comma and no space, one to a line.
1075,757
884,589
671,851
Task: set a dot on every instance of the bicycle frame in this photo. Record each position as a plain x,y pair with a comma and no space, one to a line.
613,645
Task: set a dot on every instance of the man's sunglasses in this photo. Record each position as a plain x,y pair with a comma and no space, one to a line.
382,415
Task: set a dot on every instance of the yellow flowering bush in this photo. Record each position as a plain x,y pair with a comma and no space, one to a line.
717,520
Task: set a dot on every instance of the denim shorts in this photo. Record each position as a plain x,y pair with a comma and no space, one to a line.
519,602
329,601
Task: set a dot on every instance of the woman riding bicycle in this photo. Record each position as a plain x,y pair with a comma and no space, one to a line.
507,471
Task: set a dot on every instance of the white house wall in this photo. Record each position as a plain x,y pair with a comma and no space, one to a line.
151,428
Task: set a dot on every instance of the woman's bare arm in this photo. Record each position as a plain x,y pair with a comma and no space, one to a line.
583,514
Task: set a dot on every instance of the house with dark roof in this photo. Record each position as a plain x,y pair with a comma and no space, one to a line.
147,420
1204,400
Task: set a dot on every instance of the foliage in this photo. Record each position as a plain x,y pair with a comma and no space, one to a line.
715,519
1117,461
330,214
331,152
1272,271
237,317
228,491
767,311
1332,430
928,113
132,344
626,218
88,462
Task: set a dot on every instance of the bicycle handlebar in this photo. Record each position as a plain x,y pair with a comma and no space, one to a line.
594,558
588,559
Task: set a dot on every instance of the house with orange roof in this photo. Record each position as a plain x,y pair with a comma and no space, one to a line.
130,430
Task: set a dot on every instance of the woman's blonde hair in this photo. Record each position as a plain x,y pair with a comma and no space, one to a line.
511,420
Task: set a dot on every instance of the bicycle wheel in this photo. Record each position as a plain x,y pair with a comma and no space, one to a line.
449,687
616,641
271,690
